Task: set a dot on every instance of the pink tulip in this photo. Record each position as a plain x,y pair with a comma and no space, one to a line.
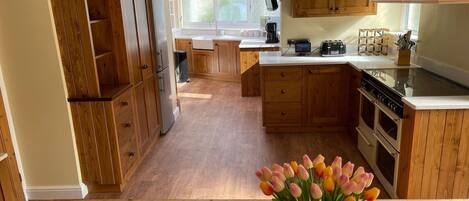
295,190
359,187
266,173
279,175
343,179
349,187
360,170
336,172
307,162
369,179
303,173
288,171
277,167
348,169
259,174
316,192
318,159
337,162
277,184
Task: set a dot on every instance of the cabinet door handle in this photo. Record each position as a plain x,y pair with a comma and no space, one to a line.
145,66
283,91
331,8
310,71
131,154
283,113
282,74
336,9
124,103
126,125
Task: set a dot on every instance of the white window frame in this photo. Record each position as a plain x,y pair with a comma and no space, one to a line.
218,24
405,22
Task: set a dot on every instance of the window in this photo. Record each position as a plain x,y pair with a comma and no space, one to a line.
412,18
224,13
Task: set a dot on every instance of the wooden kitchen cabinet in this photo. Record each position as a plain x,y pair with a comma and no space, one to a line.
186,45
250,70
107,54
325,95
227,57
321,8
204,63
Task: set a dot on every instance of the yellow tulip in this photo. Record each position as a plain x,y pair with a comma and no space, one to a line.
372,194
350,198
266,188
319,169
329,184
294,165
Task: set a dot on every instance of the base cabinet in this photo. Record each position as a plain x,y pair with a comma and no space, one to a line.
305,98
147,110
186,46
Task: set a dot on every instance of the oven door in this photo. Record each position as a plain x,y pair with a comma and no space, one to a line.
389,125
367,115
387,163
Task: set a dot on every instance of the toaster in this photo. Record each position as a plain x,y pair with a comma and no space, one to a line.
333,48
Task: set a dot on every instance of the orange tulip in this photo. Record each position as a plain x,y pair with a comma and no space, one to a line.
319,169
350,198
329,184
266,188
294,165
372,194
327,172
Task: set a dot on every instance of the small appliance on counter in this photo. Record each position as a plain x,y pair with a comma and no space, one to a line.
272,36
333,48
302,47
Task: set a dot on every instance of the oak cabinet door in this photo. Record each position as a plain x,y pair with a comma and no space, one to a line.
144,41
151,103
227,55
186,45
312,8
203,61
324,95
131,40
142,117
355,7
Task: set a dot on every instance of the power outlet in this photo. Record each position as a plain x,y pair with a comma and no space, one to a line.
291,41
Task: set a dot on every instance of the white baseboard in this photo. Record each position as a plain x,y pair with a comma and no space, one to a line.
454,73
56,192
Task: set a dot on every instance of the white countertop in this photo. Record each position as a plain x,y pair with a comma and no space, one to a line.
246,42
271,59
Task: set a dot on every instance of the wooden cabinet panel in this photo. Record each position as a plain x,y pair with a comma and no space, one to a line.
131,40
312,8
282,91
144,41
186,45
142,117
282,113
203,61
282,73
151,103
227,55
319,8
324,95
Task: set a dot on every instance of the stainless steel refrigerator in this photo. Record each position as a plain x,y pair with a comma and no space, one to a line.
163,72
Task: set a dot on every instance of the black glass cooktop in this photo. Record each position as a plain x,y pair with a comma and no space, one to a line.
417,82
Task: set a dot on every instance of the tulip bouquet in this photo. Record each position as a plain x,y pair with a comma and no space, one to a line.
314,181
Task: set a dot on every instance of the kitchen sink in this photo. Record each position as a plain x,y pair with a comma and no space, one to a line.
202,43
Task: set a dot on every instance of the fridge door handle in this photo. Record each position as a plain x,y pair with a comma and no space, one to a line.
161,83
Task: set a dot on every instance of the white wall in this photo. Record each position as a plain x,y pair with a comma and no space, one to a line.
36,96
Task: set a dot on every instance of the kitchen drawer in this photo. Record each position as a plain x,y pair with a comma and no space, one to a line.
282,91
367,145
284,73
123,104
128,154
282,113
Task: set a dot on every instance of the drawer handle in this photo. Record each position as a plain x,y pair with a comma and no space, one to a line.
131,154
283,91
127,125
124,103
310,71
283,113
282,74
145,66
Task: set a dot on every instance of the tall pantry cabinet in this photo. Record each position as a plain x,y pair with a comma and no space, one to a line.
106,49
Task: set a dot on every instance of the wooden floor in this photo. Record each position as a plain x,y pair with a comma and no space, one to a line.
216,145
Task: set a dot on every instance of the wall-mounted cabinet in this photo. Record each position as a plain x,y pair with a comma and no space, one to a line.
323,8
424,1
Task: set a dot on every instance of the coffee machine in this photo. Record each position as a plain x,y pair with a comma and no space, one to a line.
272,36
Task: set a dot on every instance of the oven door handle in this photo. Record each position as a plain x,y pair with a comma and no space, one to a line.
363,136
388,112
385,144
367,95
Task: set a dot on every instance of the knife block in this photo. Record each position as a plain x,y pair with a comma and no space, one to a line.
403,57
